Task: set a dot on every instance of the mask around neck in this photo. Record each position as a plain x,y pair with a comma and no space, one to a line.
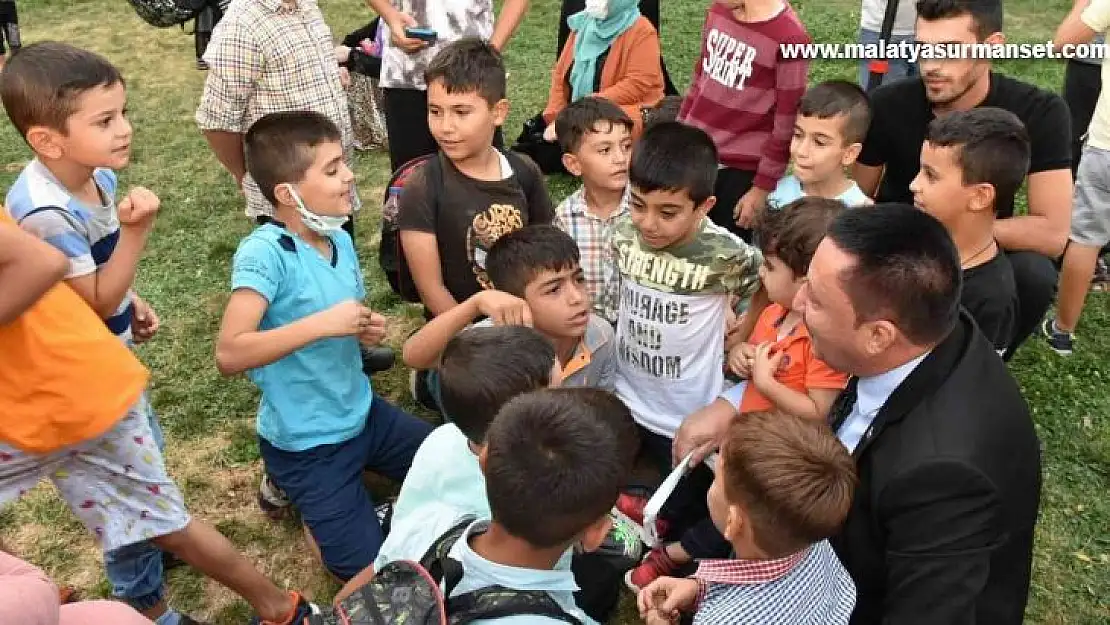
322,225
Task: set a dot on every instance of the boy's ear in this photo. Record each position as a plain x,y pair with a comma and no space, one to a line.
982,197
706,206
45,142
483,458
283,196
573,165
595,534
736,523
501,111
851,153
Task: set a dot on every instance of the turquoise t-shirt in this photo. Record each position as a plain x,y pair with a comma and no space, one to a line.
317,395
789,189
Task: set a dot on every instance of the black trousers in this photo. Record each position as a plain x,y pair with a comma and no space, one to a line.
1035,277
732,184
649,9
406,123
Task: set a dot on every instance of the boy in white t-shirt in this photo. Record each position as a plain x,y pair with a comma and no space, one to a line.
405,57
679,273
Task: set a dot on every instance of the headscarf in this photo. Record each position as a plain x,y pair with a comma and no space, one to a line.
594,36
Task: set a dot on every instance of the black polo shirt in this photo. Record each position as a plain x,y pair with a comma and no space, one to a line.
901,113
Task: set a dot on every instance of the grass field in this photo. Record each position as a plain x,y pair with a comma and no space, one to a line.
209,420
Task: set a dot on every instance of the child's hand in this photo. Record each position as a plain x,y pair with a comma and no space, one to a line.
748,206
347,318
344,77
375,332
144,322
397,34
342,54
663,600
740,359
504,309
765,364
139,209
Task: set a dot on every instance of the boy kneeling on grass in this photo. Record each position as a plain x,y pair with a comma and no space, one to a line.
294,323
539,282
783,487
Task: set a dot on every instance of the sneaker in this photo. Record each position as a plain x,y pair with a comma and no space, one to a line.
302,610
623,541
377,359
418,386
384,512
202,65
273,501
657,564
1101,278
632,507
1059,342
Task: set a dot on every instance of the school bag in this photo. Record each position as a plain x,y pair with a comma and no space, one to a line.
409,592
167,13
391,258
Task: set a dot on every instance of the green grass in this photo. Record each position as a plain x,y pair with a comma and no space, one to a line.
209,420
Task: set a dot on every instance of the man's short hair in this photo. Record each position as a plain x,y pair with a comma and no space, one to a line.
907,269
793,232
672,156
281,147
41,84
833,98
986,15
585,116
556,461
484,367
791,476
992,147
469,65
519,257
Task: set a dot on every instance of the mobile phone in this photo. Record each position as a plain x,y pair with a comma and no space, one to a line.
424,34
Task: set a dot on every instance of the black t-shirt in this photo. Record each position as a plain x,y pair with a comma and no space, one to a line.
471,215
901,113
990,295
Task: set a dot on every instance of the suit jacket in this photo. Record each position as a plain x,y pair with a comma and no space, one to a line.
941,525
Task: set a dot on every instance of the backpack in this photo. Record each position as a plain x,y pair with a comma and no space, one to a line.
167,13
391,257
409,592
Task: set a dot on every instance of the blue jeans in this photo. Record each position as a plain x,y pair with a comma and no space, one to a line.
325,483
135,571
898,68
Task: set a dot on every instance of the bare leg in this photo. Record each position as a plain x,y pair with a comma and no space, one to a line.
1075,281
206,550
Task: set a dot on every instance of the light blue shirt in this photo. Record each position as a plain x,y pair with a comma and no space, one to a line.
789,189
317,395
410,541
871,394
446,471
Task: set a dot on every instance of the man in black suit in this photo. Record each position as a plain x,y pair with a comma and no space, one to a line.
941,526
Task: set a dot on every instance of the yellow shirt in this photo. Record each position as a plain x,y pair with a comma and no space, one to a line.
1097,17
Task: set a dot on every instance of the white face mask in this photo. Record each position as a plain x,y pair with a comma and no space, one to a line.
597,9
320,224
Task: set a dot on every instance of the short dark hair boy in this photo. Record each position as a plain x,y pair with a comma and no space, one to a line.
674,157
836,98
280,147
484,367
971,163
596,138
783,486
537,280
44,87
457,203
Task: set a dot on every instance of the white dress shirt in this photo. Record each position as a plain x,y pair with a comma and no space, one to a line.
871,394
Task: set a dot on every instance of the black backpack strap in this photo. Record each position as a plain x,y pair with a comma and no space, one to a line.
524,172
494,602
439,549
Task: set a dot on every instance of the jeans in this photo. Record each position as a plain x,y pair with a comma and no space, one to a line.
897,68
135,571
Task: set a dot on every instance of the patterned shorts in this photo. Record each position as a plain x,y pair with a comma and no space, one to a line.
116,484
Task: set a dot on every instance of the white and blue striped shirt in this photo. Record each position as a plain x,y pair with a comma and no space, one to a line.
87,235
810,587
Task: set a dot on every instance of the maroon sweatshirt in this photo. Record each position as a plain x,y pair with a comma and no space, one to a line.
745,94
